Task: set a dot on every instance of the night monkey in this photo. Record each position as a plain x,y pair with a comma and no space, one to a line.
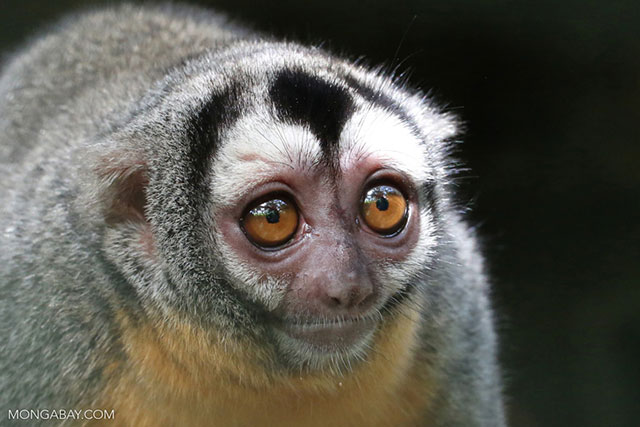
200,226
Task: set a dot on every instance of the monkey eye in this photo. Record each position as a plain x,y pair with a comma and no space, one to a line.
384,209
270,223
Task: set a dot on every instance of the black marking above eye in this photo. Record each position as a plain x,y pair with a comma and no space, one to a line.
308,100
218,112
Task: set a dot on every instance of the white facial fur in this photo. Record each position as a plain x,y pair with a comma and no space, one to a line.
259,146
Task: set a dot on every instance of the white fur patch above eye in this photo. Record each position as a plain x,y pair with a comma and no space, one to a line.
254,149
378,133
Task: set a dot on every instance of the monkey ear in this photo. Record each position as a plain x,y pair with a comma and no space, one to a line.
123,183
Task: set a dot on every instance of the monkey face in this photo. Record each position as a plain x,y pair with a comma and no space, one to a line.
323,277
301,197
322,216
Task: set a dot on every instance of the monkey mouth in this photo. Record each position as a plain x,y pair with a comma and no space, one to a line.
330,336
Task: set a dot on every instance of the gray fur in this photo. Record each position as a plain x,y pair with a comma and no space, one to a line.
120,88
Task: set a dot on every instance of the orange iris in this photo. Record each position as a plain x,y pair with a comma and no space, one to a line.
384,209
271,223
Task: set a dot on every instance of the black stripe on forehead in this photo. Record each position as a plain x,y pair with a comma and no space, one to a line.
204,129
182,187
308,100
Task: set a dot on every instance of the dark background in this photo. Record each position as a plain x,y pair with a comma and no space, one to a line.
550,92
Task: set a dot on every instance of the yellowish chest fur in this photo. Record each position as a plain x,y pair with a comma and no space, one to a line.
181,376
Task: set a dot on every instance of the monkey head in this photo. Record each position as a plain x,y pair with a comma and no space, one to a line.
296,203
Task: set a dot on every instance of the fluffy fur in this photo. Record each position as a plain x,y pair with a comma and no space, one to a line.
123,134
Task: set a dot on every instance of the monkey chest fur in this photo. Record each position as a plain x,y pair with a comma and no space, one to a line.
180,377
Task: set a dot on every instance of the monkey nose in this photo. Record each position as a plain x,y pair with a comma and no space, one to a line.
347,295
335,284
332,295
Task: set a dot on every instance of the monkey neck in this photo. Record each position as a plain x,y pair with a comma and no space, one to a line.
178,376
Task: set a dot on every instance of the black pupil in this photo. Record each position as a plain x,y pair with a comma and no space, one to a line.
272,216
382,204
